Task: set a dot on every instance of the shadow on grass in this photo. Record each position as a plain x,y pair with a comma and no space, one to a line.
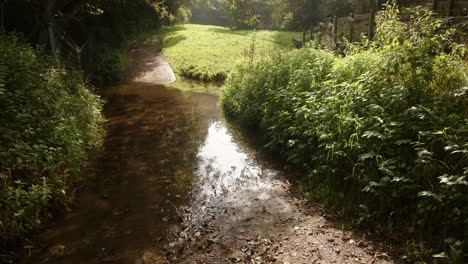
171,41
284,38
168,29
230,31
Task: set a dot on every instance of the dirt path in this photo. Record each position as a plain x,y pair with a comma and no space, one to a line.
146,64
267,224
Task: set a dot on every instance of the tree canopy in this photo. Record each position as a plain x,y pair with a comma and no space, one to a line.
90,33
280,14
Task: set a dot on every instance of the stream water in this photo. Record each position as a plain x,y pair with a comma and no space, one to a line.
165,152
175,183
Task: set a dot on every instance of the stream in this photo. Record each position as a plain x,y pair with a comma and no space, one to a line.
176,183
165,151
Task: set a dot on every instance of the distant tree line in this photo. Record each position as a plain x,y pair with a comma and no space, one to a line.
279,14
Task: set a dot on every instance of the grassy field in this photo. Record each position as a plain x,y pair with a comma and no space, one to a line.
208,53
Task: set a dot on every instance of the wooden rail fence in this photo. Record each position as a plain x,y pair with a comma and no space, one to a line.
332,32
451,7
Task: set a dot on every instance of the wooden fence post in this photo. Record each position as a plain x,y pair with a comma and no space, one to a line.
52,40
370,33
304,36
434,5
320,38
351,28
334,31
2,14
450,7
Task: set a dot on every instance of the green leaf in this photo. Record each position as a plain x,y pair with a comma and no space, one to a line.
441,255
430,194
455,255
370,134
367,156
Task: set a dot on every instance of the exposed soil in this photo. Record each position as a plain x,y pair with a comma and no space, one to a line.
262,220
177,184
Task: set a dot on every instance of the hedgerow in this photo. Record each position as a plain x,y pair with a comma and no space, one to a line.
381,132
49,121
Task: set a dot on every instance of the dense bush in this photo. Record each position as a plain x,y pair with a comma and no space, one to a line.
183,15
49,119
382,132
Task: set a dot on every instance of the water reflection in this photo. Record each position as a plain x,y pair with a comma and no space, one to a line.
222,163
146,171
227,176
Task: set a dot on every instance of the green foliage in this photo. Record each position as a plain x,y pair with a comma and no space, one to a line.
183,15
381,132
270,14
209,12
109,65
48,122
286,14
287,23
245,14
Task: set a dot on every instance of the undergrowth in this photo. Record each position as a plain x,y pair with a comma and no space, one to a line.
49,120
381,132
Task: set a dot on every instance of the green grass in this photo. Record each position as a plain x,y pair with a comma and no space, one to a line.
209,53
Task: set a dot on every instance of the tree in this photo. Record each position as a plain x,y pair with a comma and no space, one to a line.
91,34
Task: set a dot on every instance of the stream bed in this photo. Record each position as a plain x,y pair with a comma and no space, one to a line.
166,152
176,183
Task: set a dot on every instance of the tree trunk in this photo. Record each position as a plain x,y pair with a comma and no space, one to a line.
2,15
53,8
53,44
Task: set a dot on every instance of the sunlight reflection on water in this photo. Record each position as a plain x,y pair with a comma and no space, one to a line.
227,175
222,163
165,152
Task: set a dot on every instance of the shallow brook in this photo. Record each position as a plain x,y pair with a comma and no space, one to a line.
176,183
165,151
